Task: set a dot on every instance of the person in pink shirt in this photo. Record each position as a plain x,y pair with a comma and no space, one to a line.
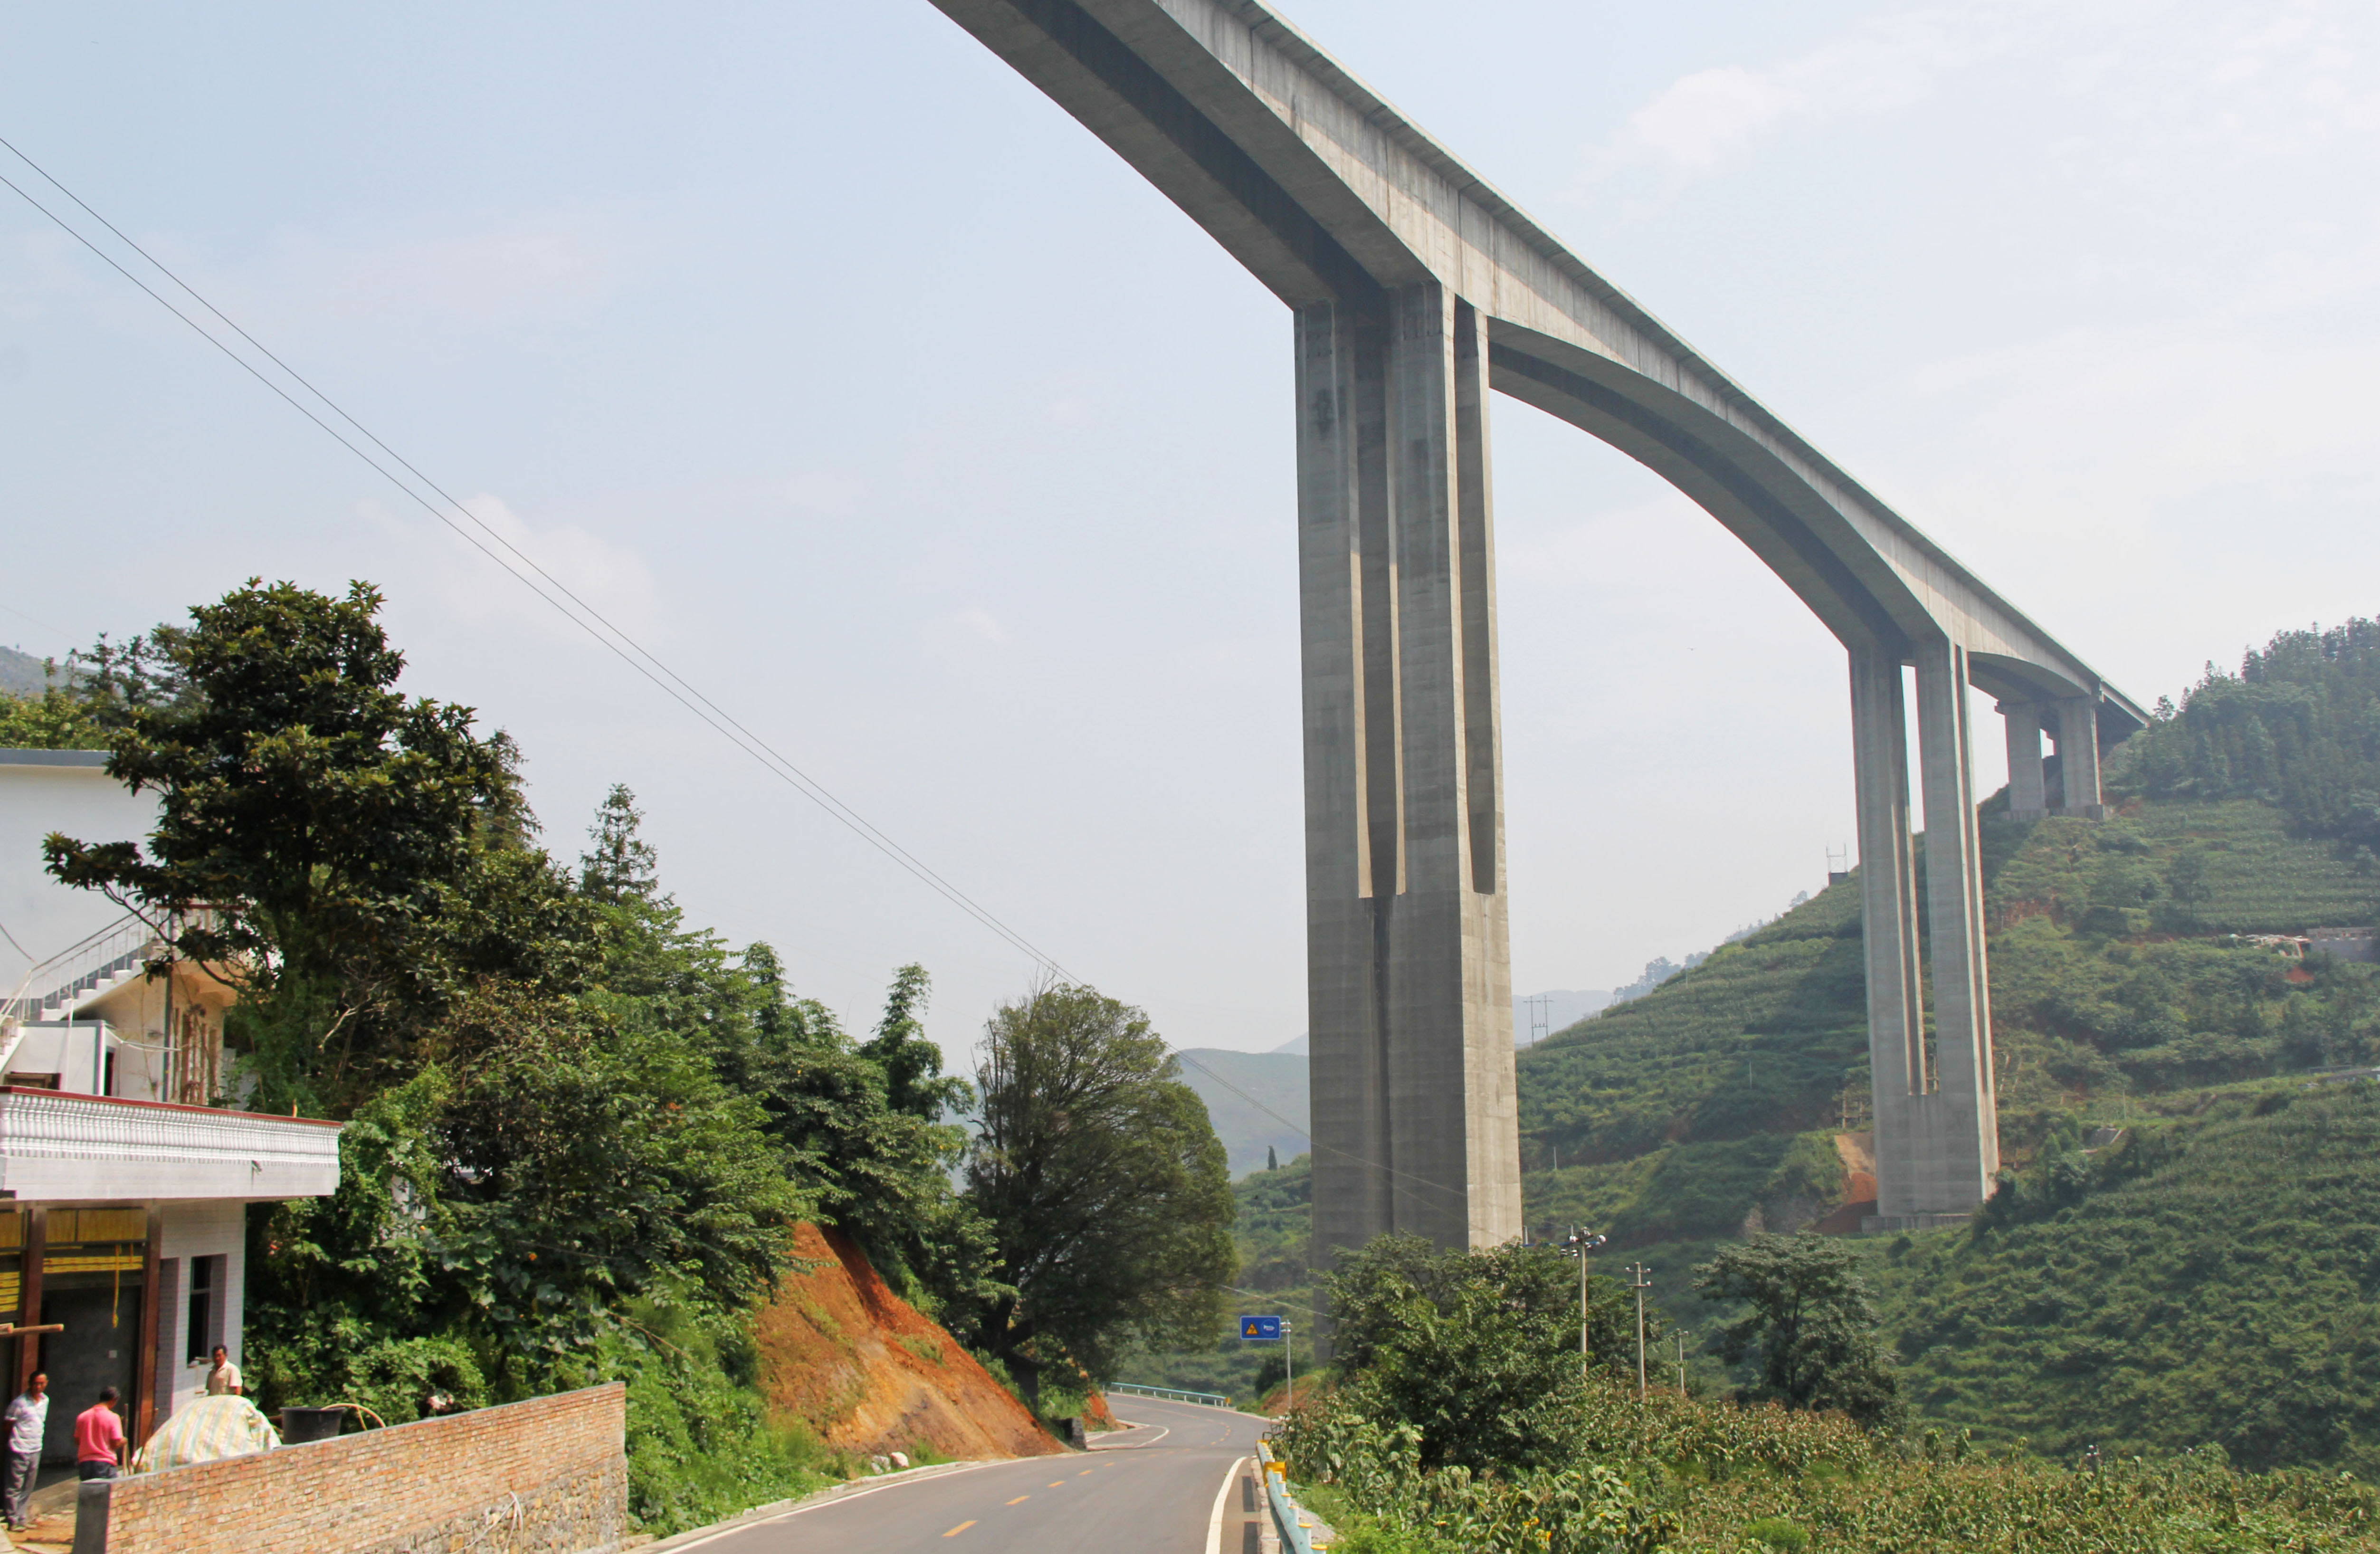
99,1439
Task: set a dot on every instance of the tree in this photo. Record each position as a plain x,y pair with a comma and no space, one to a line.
1478,1351
335,827
1811,1323
1108,1196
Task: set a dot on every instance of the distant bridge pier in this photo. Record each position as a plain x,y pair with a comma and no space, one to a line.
2028,787
2078,756
2073,721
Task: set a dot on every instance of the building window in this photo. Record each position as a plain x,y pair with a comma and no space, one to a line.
208,1277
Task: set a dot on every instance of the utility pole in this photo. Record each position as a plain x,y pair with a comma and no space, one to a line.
1640,1283
1579,1246
1289,1367
1682,1362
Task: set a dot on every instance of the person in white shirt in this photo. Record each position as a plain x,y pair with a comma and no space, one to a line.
224,1378
27,1420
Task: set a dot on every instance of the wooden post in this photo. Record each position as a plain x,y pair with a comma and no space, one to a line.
28,1297
152,1312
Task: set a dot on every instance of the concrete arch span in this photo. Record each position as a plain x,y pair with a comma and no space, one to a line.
1417,290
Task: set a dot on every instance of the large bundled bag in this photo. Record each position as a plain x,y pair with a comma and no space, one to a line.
222,1426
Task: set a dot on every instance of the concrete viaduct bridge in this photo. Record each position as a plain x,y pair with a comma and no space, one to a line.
1416,288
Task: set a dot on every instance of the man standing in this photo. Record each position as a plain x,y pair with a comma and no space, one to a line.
27,1419
224,1378
99,1439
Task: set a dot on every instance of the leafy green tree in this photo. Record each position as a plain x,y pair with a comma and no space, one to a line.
1478,1351
1811,1325
1108,1196
329,821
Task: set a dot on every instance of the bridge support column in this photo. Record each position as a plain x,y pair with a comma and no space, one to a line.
2028,793
1936,1121
1409,986
2077,756
1898,1064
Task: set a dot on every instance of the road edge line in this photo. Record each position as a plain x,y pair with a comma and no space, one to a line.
1215,1521
694,1537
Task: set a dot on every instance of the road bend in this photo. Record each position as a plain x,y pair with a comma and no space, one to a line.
1184,1482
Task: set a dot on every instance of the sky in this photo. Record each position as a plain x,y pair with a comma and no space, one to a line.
881,402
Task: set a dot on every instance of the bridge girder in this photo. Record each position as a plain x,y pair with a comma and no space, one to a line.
1325,192
1416,286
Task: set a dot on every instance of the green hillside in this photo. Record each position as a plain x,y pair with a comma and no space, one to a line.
2124,994
2213,1279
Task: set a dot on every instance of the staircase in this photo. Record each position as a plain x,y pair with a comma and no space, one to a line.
100,963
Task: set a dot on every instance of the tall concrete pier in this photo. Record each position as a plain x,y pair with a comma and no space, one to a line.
1410,994
1416,286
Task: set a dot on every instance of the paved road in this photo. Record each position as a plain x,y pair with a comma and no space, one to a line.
1152,1490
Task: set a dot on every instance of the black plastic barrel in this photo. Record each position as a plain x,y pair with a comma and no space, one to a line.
301,1425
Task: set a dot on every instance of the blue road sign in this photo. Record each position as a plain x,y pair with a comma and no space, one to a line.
1266,1327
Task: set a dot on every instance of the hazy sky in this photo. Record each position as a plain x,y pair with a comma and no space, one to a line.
885,404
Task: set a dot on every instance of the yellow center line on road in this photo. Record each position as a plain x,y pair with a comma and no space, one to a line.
960,1528
1084,1473
1060,1485
1020,1500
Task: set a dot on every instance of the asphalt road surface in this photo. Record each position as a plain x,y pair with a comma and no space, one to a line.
1152,1491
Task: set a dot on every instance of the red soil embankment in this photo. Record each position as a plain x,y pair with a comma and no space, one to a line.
871,1373
1857,1151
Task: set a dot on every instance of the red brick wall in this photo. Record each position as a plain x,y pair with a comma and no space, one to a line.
548,1474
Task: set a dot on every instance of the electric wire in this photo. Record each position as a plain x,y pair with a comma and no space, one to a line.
817,792
1360,1160
619,642
625,647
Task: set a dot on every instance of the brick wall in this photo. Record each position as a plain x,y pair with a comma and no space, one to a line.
549,1475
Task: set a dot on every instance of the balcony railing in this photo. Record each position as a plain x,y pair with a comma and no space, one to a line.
57,1146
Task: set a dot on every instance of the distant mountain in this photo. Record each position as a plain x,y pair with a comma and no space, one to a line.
1256,1100
1296,1044
20,674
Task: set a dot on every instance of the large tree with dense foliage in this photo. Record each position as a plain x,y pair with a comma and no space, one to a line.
1475,1350
1808,1321
1107,1191
360,849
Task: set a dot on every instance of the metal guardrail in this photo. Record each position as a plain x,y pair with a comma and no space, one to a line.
1169,1394
1296,1525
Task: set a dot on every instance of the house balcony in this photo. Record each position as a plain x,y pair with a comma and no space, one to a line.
59,1146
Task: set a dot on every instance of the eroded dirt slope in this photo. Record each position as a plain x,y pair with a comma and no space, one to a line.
871,1374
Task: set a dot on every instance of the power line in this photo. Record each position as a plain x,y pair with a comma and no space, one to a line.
1343,1154
584,616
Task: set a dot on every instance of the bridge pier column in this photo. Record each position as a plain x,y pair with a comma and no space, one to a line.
2028,792
1898,1060
1937,1119
1409,986
2077,756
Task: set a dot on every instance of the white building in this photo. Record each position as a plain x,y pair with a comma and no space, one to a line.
123,1185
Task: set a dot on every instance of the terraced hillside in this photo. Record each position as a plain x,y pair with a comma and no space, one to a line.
2209,1279
2129,991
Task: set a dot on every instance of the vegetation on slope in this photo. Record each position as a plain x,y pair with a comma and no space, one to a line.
1462,1423
2215,1280
2127,988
